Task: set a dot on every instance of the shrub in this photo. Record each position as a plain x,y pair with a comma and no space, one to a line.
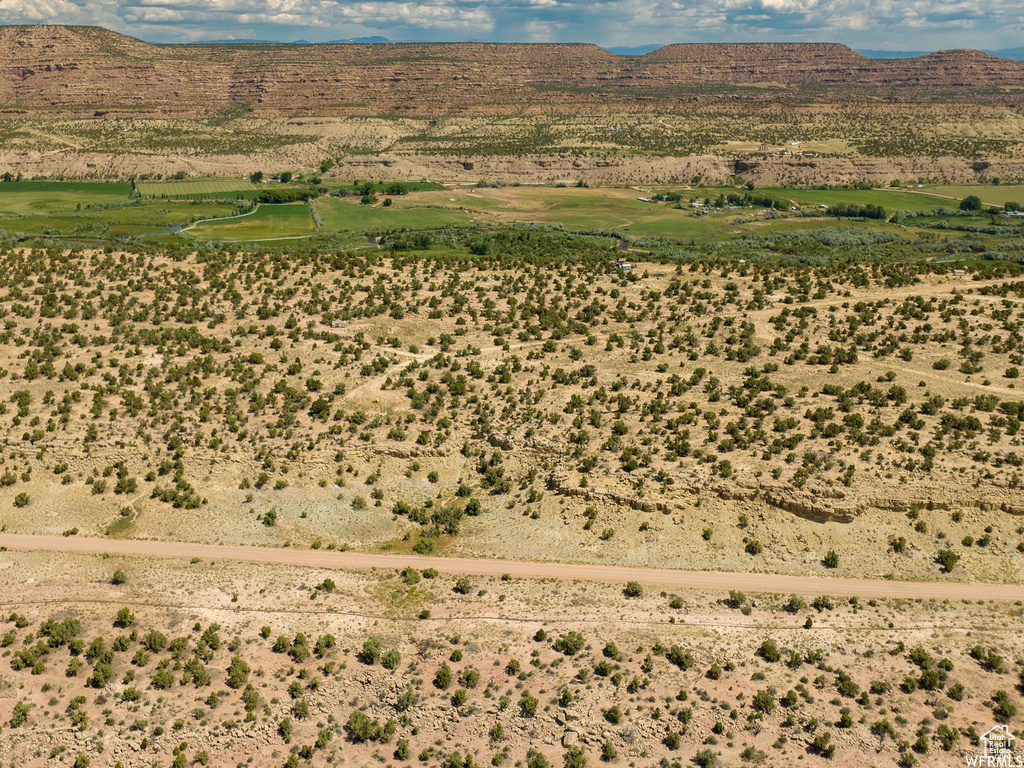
361,728
1003,708
371,651
947,558
528,705
20,714
764,702
633,589
682,659
238,673
735,599
608,751
575,757
443,678
769,651
823,747
570,643
277,196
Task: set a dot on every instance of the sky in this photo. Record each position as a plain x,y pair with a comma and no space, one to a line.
909,25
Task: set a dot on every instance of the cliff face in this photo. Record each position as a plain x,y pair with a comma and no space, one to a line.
78,70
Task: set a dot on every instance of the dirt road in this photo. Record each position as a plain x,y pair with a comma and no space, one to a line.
706,581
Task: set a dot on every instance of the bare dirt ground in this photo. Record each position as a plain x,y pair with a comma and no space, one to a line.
266,664
661,578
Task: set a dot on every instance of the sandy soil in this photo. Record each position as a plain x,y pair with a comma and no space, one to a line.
709,581
708,698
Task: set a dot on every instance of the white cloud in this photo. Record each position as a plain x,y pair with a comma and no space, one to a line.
917,24
57,12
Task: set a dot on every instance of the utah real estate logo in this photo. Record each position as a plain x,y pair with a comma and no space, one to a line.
998,743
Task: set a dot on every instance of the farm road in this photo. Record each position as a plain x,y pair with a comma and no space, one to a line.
705,581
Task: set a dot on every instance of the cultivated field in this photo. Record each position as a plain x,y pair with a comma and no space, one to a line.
94,213
203,187
266,222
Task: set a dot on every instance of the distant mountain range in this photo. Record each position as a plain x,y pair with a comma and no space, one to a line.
351,40
620,50
1003,53
633,50
871,53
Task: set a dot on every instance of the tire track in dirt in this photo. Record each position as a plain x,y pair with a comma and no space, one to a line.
706,581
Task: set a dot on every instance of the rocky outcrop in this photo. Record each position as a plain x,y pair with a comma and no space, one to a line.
559,483
809,505
815,501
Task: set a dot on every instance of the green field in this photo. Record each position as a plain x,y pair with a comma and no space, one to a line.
224,187
92,212
990,194
27,197
268,222
123,221
579,209
341,213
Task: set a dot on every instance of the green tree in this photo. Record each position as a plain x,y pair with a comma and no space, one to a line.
238,673
371,651
443,678
570,643
361,728
528,705
20,714
947,558
764,702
